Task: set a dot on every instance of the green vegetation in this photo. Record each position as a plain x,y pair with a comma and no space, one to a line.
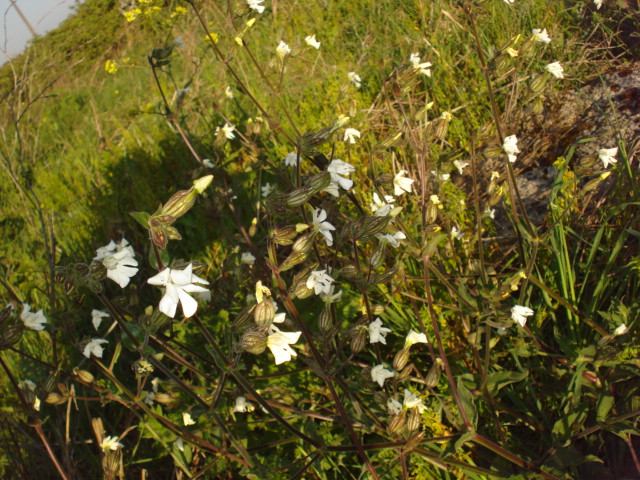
509,347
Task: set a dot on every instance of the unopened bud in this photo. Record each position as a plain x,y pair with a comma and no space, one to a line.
300,289
432,212
401,359
243,318
50,384
325,321
284,234
10,332
350,272
319,181
405,374
369,226
295,258
377,258
254,342
538,84
413,442
304,243
201,184
359,340
84,376
413,419
433,376
55,399
397,423
179,203
299,197
264,313
164,398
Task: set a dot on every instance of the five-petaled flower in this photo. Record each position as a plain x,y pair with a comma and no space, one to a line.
422,68
380,374
519,314
350,135
320,282
382,208
227,130
413,338
255,5
355,79
460,165
510,146
412,401
178,284
402,184
394,406
321,226
94,347
555,69
32,320
541,35
110,443
312,42
378,333
266,189
242,406
283,49
247,258
119,260
608,156
291,160
278,342
97,316
187,420
392,240
337,168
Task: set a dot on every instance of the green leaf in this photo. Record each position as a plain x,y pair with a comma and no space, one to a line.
497,380
142,218
466,397
605,403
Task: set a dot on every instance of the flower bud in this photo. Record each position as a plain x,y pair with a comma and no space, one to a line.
369,226
264,313
397,423
304,243
243,318
83,375
401,359
50,384
55,398
299,197
300,289
179,203
377,258
283,234
319,181
413,442
433,376
538,84
414,420
201,184
325,320
359,340
350,272
292,260
405,374
164,398
10,332
432,212
254,342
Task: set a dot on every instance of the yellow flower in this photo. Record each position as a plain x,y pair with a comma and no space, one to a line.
110,66
212,37
178,11
131,15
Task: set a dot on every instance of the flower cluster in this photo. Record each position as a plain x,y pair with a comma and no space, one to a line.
119,260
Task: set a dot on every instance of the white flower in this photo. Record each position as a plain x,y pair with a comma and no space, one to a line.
247,258
228,131
330,297
333,189
178,284
350,135
460,165
423,68
207,163
382,208
412,401
455,233
94,347
491,212
242,406
322,226
255,5
291,160
509,1
187,420
179,443
510,146
620,330
541,35
355,79
27,384
435,199
378,333
519,314
320,282
608,155
97,316
442,176
598,3
380,374
391,239
394,406
278,342
402,184
413,338
337,168
119,260
228,92
312,42
283,49
110,443
32,320
555,69
266,189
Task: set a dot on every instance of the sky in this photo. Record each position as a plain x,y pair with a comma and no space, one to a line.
43,15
